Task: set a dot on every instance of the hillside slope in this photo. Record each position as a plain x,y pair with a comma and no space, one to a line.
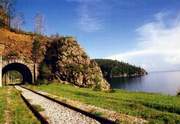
72,63
114,68
64,57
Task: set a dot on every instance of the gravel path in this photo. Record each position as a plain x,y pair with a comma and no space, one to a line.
57,114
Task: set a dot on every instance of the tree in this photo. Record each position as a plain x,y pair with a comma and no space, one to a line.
39,23
35,54
115,68
8,7
18,21
45,72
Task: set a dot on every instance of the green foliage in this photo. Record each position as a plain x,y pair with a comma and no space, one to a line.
97,113
44,72
156,108
42,81
36,50
75,68
112,68
38,108
97,85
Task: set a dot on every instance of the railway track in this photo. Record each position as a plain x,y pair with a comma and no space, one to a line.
58,112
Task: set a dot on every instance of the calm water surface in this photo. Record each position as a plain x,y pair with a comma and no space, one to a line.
157,82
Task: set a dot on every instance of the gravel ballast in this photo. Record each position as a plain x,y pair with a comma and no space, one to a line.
56,113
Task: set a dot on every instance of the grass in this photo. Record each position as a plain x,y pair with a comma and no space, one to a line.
18,112
2,105
97,113
156,108
38,108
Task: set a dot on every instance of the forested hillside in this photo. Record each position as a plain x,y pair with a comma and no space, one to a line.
114,68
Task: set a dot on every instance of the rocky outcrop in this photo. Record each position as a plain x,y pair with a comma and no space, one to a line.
69,62
63,55
66,59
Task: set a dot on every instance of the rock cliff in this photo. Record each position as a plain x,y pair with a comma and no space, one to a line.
68,61
63,55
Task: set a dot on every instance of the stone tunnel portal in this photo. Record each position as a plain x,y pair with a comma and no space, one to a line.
22,69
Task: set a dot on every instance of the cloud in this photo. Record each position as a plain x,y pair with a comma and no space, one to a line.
89,21
158,45
91,14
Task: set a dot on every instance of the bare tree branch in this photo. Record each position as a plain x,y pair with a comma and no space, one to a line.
39,23
17,21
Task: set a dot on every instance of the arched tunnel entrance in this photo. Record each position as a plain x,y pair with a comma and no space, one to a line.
22,69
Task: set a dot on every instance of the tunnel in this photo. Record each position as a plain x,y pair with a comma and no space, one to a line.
22,69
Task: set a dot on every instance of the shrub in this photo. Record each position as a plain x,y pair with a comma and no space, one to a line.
75,67
44,73
97,85
42,81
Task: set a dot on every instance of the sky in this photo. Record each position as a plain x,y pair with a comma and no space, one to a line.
145,33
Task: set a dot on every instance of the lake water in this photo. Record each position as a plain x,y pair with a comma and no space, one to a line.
156,82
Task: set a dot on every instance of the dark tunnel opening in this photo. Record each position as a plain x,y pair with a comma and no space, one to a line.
22,69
